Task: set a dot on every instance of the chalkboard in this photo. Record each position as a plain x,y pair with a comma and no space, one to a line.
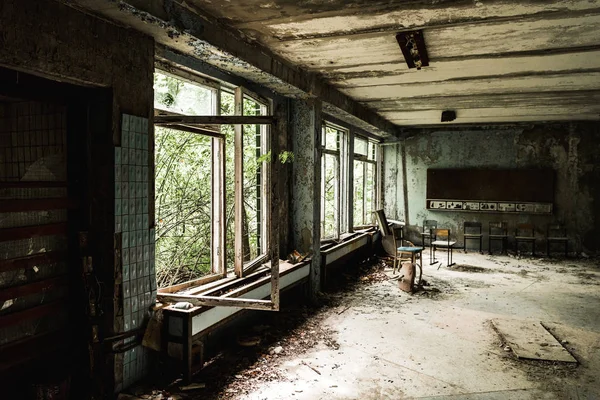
496,190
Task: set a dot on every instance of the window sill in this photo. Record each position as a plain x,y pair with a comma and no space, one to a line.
232,286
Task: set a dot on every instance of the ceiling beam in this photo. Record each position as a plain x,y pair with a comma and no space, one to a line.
410,17
187,29
494,100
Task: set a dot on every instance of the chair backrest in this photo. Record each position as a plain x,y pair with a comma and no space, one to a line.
556,230
444,234
429,224
475,226
498,228
525,230
383,223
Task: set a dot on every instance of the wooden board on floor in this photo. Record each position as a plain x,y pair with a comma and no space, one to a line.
529,339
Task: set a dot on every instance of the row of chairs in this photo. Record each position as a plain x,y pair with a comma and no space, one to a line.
498,231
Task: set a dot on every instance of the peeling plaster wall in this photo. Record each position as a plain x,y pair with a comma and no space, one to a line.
571,149
305,126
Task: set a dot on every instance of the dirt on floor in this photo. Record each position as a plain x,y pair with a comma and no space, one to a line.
298,331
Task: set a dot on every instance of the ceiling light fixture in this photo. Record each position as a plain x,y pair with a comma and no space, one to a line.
413,48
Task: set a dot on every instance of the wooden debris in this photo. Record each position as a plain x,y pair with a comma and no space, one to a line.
311,367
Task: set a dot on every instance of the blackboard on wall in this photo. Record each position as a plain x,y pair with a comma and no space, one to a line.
501,188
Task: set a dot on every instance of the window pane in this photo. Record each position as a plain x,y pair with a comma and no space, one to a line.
228,108
329,215
254,159
359,192
372,150
360,146
331,138
182,97
183,206
364,192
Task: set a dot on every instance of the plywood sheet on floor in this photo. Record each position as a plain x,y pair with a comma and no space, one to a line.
529,339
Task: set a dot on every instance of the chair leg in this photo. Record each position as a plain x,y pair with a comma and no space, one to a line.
533,252
489,246
566,248
480,244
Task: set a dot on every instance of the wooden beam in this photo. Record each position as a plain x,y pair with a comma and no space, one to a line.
214,120
26,232
239,185
35,287
19,205
215,301
31,261
186,285
191,129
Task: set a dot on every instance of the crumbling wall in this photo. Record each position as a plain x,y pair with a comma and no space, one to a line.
571,149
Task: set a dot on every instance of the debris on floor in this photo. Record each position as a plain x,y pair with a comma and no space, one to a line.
531,340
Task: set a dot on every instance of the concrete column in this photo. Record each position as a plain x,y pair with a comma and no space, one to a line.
305,125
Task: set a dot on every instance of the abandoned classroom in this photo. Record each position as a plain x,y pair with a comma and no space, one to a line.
275,199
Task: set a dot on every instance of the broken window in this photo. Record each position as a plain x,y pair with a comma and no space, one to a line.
204,224
186,247
331,178
365,181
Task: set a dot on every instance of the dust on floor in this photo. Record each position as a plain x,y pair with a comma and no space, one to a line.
369,340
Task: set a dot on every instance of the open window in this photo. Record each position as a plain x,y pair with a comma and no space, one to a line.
212,188
365,181
332,181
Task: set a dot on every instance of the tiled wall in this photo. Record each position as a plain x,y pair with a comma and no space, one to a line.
132,197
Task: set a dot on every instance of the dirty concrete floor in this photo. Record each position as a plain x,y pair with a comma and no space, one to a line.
441,345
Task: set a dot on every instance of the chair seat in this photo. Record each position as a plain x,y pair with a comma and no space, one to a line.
498,236
425,234
524,238
410,249
443,243
558,238
473,235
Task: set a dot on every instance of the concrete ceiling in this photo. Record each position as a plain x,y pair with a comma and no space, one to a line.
491,61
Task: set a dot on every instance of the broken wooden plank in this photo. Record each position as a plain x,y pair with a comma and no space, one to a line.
530,340
215,301
214,120
192,129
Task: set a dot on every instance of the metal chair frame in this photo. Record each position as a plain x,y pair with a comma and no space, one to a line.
525,233
428,226
472,236
560,238
448,244
494,227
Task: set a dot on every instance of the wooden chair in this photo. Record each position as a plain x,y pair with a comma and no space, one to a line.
472,231
392,241
498,231
428,226
391,238
442,240
557,233
525,233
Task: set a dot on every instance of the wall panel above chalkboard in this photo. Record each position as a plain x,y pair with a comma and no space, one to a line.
491,190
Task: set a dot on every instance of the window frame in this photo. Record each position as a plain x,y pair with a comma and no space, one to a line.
269,248
341,184
365,160
242,268
218,231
